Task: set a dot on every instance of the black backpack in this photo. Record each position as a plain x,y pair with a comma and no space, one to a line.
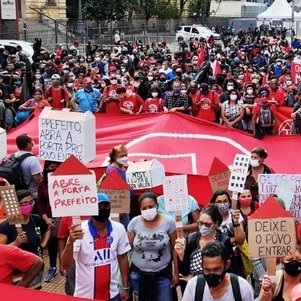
266,117
10,170
200,287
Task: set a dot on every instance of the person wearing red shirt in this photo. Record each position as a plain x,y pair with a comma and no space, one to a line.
155,103
130,103
13,258
110,98
56,95
208,103
79,82
277,95
263,101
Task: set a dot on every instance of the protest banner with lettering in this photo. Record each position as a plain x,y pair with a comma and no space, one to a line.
295,71
219,175
285,186
72,190
145,174
63,133
272,233
118,192
3,148
175,193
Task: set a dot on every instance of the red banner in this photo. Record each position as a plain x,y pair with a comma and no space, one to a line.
284,121
295,71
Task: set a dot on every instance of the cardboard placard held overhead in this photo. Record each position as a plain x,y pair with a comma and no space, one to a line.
285,186
63,133
72,190
3,143
175,193
219,175
145,174
11,204
118,192
239,173
272,233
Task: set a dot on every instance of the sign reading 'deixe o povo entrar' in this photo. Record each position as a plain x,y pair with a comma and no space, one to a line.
271,231
63,133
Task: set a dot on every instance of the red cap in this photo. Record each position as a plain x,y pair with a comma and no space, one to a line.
113,76
87,80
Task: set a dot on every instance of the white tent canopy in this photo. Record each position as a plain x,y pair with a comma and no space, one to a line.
280,9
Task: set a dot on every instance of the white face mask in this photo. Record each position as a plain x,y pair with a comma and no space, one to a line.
97,59
184,91
289,82
149,214
254,163
150,78
155,94
114,81
249,91
122,160
70,85
122,69
233,97
205,231
230,88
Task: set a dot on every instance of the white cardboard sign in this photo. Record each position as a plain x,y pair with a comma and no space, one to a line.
239,173
63,133
145,174
285,186
176,193
73,195
3,143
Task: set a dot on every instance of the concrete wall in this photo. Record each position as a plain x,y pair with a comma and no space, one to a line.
226,8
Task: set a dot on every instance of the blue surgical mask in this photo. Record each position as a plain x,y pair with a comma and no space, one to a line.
176,90
88,87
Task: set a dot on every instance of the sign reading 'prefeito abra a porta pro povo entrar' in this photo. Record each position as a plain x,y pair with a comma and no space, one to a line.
63,133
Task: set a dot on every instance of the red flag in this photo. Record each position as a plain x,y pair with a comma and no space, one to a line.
202,55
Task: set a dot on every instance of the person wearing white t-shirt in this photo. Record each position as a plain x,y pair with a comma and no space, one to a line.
216,283
99,249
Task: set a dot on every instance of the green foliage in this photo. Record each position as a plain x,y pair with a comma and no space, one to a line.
166,10
199,8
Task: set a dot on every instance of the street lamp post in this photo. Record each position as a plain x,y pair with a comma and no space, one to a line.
293,20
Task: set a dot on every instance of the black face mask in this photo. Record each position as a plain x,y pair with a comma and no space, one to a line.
103,215
178,73
293,268
214,280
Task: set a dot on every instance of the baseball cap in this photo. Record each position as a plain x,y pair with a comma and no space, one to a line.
113,76
102,197
55,76
296,292
87,80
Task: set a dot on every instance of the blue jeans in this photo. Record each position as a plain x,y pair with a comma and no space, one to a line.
116,298
162,285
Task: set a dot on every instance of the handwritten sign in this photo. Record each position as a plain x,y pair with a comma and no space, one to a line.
120,200
146,174
63,133
285,186
271,232
175,193
239,173
3,143
72,195
220,181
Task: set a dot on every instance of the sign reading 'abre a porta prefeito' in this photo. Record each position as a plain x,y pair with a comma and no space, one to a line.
63,133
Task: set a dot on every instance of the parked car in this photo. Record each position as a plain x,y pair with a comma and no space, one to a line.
186,32
11,45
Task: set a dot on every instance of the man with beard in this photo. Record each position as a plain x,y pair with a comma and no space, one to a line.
216,282
99,249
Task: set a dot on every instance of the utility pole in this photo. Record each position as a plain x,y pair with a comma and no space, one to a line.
293,20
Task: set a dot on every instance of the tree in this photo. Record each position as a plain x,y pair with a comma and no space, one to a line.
182,5
199,8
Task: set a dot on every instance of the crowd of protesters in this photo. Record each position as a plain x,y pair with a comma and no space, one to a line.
240,86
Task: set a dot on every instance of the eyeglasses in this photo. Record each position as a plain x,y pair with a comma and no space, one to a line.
207,225
30,202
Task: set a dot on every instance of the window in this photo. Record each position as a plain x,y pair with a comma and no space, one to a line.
187,29
50,2
194,30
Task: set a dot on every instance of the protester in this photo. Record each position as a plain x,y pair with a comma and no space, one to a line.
13,258
216,282
97,273
152,237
